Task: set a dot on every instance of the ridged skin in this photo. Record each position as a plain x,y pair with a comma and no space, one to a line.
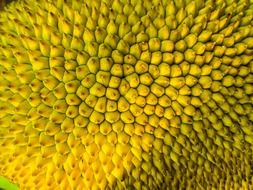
127,94
3,3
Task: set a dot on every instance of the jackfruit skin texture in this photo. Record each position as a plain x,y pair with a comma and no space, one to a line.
127,94
3,3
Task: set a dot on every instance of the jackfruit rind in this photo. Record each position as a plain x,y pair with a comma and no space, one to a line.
118,94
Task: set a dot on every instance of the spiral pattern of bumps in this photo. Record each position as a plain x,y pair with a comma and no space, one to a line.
127,94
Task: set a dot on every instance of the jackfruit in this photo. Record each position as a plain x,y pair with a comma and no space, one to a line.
127,94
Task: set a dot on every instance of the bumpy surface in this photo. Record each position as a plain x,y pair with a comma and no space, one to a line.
127,94
3,3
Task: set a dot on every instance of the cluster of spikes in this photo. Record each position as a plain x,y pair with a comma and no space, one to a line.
127,94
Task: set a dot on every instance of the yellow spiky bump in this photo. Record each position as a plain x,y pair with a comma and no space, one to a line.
127,94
